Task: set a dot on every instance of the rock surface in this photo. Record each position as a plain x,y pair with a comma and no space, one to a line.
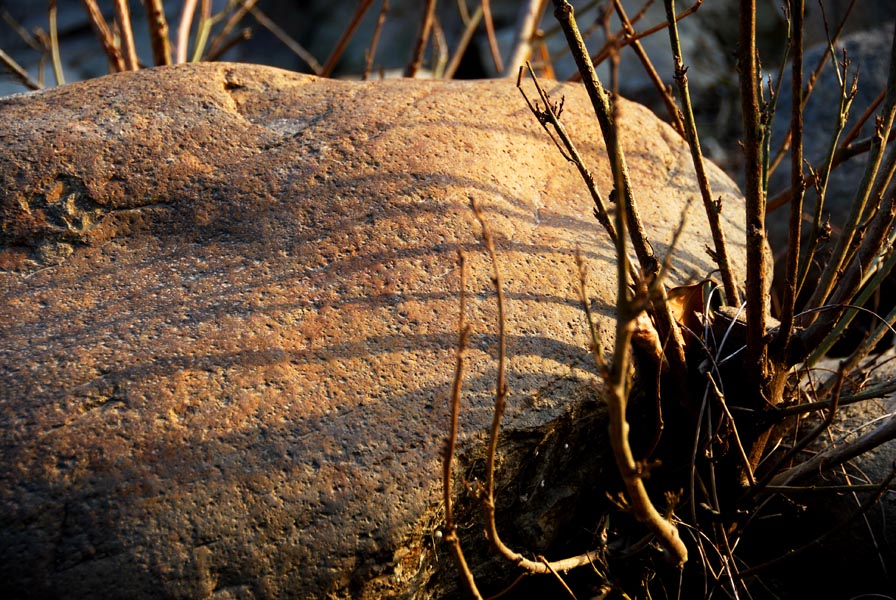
228,319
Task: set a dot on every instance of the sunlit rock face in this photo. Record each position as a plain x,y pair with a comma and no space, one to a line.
229,314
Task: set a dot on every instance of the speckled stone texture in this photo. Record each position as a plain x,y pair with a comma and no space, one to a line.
229,310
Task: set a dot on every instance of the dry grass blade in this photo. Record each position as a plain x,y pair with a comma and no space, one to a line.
54,45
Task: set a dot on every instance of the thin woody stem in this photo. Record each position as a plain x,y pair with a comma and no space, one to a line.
347,34
500,404
123,18
158,32
757,268
833,270
713,208
665,93
626,218
420,48
666,325
796,174
451,538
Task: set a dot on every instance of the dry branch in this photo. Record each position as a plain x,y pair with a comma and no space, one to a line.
158,32
346,36
526,28
757,269
650,266
451,538
422,39
798,184
713,208
116,62
19,71
123,18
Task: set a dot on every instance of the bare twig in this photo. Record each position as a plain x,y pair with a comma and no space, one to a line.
123,18
183,31
19,71
776,468
878,391
568,150
596,349
810,84
440,49
116,62
463,334
422,39
233,20
843,153
665,93
158,32
469,30
796,177
666,325
490,33
834,456
742,453
557,577
620,40
820,181
225,46
757,268
527,25
862,509
852,277
371,52
347,34
285,38
831,274
713,207
501,392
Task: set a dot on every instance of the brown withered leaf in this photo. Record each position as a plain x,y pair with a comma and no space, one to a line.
688,303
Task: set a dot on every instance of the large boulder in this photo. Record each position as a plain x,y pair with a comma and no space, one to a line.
229,311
